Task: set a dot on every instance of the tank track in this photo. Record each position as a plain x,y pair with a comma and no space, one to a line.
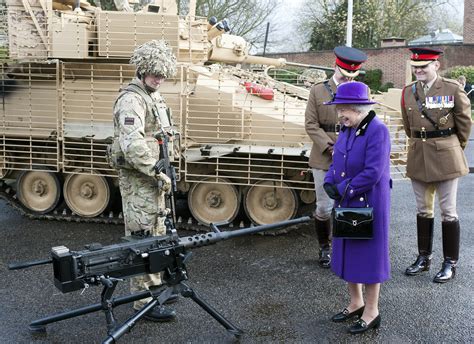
8,194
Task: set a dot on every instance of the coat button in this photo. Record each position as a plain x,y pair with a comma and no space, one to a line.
361,199
343,174
351,192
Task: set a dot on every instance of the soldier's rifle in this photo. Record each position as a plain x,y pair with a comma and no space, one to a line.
169,170
107,265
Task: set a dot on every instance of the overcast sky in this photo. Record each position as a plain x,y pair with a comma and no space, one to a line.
290,40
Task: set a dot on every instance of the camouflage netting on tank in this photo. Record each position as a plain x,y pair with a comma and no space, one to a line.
154,57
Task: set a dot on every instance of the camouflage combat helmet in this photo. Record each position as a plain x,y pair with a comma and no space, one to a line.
154,57
312,76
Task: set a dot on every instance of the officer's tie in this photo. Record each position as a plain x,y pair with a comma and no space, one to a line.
426,88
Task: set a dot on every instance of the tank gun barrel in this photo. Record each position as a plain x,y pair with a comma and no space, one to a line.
304,65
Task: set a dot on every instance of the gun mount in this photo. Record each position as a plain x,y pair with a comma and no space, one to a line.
107,265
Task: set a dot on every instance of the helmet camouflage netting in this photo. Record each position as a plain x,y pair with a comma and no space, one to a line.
312,75
154,57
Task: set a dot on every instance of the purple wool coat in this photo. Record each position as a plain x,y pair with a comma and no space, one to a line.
361,167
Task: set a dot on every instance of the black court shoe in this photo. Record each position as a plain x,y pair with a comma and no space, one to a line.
361,326
345,315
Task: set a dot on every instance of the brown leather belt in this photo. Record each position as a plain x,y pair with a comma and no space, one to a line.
423,134
331,128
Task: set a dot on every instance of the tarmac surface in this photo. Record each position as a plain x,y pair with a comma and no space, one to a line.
268,286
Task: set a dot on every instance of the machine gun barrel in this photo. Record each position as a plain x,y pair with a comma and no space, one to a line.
17,266
73,270
213,237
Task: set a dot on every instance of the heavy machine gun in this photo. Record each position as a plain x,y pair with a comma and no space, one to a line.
107,265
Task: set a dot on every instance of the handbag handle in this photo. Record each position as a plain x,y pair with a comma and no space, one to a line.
344,195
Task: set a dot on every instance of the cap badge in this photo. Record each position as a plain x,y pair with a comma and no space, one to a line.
416,56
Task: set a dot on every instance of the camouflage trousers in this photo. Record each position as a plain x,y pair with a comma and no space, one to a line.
142,201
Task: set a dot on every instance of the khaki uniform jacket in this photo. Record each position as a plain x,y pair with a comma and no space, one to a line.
317,113
439,158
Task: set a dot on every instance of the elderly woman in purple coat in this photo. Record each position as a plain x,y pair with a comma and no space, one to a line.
360,176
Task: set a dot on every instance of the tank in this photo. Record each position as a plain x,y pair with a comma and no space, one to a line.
242,151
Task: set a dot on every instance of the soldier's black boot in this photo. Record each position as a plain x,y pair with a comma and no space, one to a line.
161,314
451,233
323,229
424,227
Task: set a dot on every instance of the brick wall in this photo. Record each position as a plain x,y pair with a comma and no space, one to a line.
392,61
468,27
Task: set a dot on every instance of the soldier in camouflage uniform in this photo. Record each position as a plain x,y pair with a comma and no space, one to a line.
139,114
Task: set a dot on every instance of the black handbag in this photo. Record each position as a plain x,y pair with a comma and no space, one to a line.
353,223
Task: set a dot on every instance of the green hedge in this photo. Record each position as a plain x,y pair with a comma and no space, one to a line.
373,78
455,72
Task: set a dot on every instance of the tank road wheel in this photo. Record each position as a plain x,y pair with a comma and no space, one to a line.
265,203
214,203
39,191
86,195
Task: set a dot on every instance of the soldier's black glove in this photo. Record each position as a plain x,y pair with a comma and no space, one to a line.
332,191
159,166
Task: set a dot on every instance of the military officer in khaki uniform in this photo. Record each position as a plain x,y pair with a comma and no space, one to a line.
322,126
437,119
140,113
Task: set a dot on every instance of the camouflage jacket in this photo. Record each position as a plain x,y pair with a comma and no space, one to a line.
137,119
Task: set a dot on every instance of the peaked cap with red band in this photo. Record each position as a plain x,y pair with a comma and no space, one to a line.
423,56
349,60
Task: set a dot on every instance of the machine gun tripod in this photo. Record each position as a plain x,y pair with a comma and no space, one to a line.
106,265
108,303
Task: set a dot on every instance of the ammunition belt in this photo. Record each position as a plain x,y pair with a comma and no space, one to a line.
423,134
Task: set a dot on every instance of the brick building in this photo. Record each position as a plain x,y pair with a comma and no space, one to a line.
392,60
468,27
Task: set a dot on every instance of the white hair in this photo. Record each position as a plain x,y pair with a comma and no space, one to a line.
363,109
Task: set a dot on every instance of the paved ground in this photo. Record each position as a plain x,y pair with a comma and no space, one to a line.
268,286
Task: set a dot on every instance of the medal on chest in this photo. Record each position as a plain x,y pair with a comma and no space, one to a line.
439,102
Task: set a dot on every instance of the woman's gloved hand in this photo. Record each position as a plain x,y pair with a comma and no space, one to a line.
332,191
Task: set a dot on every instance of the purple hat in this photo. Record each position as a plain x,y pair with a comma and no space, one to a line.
354,92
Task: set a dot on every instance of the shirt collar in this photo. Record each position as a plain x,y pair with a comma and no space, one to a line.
429,84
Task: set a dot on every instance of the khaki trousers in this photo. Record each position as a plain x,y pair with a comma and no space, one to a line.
425,196
324,204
